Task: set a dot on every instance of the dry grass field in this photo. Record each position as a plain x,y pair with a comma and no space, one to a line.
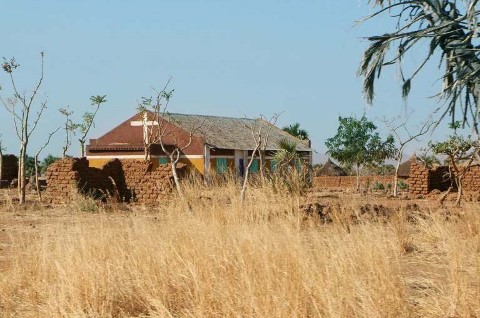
364,256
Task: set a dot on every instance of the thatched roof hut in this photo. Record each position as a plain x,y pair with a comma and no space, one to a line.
404,168
330,169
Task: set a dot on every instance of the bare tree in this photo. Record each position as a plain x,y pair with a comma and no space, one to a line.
259,140
461,152
263,140
157,105
88,118
402,134
260,131
158,128
20,107
37,174
69,128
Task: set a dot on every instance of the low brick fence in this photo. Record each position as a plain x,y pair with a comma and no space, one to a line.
9,169
347,182
423,180
123,180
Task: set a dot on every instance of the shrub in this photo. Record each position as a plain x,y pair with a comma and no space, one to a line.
402,185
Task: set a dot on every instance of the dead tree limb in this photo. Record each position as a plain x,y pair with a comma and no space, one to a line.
37,182
399,129
24,125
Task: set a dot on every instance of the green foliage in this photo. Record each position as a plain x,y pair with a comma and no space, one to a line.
289,169
357,143
295,130
88,117
382,169
46,162
29,166
427,29
428,159
158,103
456,147
378,186
287,156
402,185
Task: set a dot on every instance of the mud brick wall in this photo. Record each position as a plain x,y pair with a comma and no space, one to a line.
63,179
122,180
423,180
136,181
347,182
471,181
10,168
418,179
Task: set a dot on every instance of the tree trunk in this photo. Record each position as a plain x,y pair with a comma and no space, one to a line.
262,166
1,166
21,176
460,191
37,182
247,173
82,148
176,179
395,178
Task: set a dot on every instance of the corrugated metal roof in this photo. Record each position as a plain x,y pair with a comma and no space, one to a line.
233,133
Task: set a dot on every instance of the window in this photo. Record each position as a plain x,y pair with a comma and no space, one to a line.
273,165
221,165
254,166
163,160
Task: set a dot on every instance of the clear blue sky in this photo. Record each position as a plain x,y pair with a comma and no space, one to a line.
229,58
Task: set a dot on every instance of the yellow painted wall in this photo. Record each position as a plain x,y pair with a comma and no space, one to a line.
194,164
97,163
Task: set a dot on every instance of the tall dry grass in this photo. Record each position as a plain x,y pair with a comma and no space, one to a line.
263,259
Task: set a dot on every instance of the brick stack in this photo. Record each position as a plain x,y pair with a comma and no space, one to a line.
62,179
146,185
124,180
471,181
10,169
418,179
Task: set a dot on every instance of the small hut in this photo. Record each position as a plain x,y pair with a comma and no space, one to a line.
330,169
404,168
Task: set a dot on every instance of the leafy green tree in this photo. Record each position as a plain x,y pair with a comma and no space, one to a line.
289,166
428,159
47,161
382,169
295,130
357,143
287,157
460,151
29,166
447,29
87,123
